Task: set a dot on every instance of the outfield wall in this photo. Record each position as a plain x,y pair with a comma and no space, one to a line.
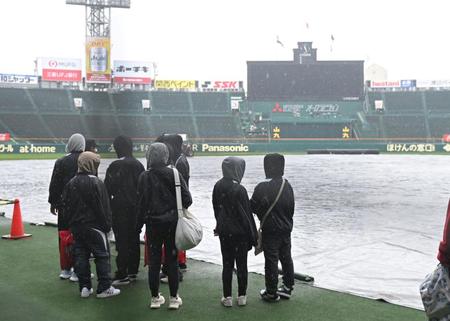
287,146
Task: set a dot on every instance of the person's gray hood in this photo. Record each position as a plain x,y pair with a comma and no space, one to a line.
76,143
157,155
233,168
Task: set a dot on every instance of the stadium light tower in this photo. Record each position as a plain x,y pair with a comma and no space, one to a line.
98,15
98,39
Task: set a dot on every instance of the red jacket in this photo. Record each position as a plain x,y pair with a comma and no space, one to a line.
444,246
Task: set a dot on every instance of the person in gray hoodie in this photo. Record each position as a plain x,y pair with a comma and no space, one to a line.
235,227
157,209
65,168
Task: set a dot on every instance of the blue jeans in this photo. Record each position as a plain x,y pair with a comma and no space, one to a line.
87,241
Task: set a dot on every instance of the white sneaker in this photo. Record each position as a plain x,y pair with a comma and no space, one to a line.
73,277
111,291
175,302
85,292
242,300
65,274
157,301
227,302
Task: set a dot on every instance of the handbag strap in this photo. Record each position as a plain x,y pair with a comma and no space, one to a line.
176,176
273,204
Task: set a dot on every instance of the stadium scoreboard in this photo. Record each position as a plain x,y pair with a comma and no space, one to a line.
305,78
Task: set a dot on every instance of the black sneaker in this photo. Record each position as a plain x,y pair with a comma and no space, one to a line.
284,292
269,297
132,277
121,281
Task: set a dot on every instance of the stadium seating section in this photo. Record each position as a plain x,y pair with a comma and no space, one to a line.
38,114
50,114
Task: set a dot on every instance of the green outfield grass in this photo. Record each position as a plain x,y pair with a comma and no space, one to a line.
31,290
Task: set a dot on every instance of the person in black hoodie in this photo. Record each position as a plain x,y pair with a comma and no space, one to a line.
65,168
121,182
157,208
174,143
276,230
86,206
235,227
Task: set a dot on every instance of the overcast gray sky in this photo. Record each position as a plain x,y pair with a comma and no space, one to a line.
210,39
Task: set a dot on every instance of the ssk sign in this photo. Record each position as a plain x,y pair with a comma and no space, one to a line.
59,69
222,85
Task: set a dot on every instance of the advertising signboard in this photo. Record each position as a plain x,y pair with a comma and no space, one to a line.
98,64
133,72
18,79
175,84
59,69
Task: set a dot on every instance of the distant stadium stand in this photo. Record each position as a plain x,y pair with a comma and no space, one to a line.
63,125
399,102
438,101
26,126
49,114
169,102
405,126
14,99
210,102
218,127
51,99
128,101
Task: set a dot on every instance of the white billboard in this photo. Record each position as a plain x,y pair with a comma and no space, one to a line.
133,72
59,69
433,84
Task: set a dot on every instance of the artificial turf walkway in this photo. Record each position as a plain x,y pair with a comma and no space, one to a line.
31,290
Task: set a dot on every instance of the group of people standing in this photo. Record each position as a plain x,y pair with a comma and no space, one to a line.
132,196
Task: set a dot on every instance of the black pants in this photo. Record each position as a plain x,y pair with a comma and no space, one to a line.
127,242
234,250
87,241
277,247
157,236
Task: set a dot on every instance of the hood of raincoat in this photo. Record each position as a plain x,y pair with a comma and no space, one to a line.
90,145
174,142
274,165
233,168
76,143
123,146
157,155
88,162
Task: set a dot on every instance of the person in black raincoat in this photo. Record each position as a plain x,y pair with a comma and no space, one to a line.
88,213
174,143
276,231
157,208
121,182
65,168
235,227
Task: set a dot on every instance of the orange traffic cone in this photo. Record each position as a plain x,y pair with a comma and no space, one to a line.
17,231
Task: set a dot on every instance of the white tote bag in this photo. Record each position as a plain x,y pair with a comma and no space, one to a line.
189,231
435,293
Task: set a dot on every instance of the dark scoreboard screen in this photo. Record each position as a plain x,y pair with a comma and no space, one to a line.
327,80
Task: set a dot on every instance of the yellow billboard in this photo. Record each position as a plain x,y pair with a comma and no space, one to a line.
98,59
175,84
